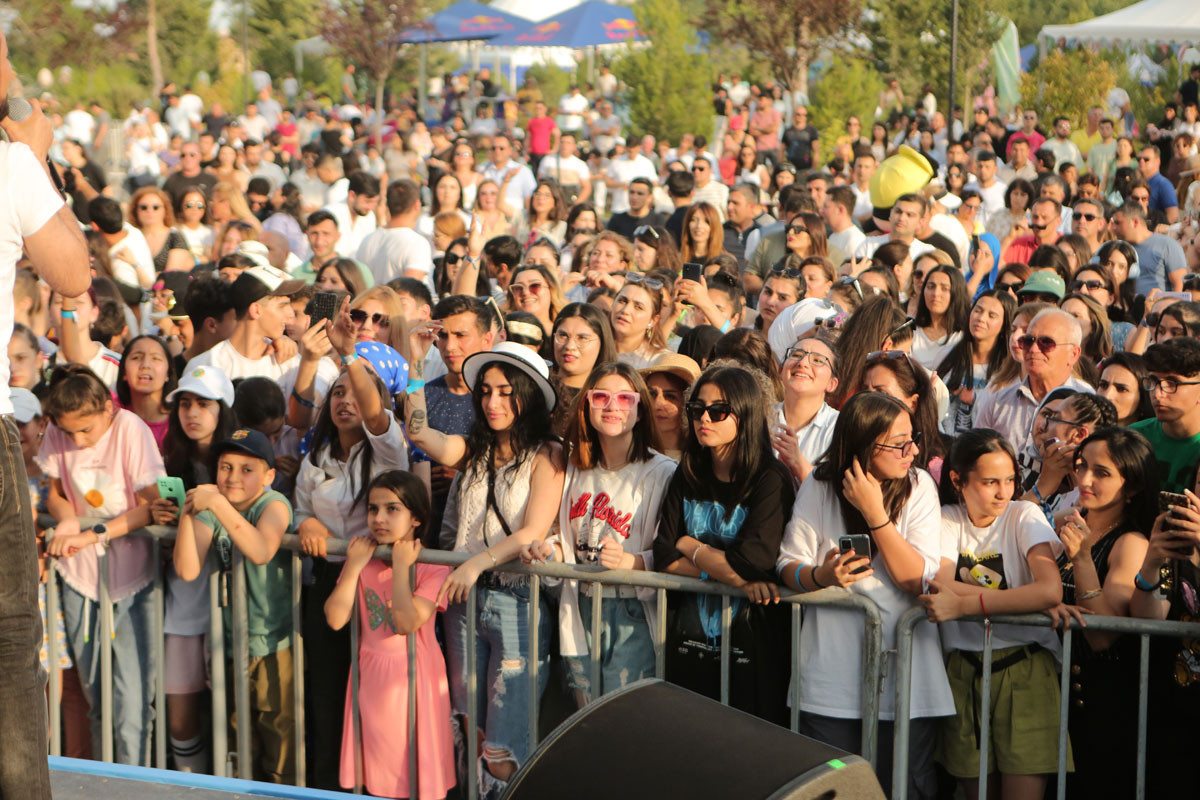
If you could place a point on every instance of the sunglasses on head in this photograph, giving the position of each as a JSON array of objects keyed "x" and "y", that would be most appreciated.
[
  {"x": 606, "y": 400},
  {"x": 779, "y": 270},
  {"x": 359, "y": 317},
  {"x": 849, "y": 280},
  {"x": 638, "y": 279},
  {"x": 645, "y": 229},
  {"x": 716, "y": 411},
  {"x": 892, "y": 355}
]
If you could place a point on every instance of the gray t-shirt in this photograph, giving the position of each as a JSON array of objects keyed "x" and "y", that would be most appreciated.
[{"x": 1158, "y": 256}]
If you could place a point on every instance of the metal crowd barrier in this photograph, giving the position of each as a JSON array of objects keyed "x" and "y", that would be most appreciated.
[
  {"x": 1143, "y": 628},
  {"x": 872, "y": 665}
]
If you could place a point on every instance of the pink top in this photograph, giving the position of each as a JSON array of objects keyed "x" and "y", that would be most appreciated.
[
  {"x": 159, "y": 429},
  {"x": 101, "y": 482}
]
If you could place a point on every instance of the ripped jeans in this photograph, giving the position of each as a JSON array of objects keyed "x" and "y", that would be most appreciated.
[{"x": 501, "y": 650}]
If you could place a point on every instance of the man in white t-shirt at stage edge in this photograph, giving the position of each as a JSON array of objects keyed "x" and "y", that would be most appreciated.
[{"x": 44, "y": 226}]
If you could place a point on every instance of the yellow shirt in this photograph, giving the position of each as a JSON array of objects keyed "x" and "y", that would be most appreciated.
[{"x": 1083, "y": 141}]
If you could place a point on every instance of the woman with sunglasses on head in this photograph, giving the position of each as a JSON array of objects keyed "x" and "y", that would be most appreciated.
[
  {"x": 803, "y": 422},
  {"x": 191, "y": 221},
  {"x": 899, "y": 375},
  {"x": 654, "y": 248},
  {"x": 608, "y": 516},
  {"x": 636, "y": 313},
  {"x": 875, "y": 325},
  {"x": 504, "y": 499},
  {"x": 997, "y": 557},
  {"x": 722, "y": 519},
  {"x": 582, "y": 338},
  {"x": 979, "y": 356},
  {"x": 867, "y": 485},
  {"x": 806, "y": 236},
  {"x": 151, "y": 212},
  {"x": 942, "y": 315},
  {"x": 1106, "y": 541},
  {"x": 535, "y": 289}
]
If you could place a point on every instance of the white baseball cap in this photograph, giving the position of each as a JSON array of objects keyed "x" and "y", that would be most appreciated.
[
  {"x": 255, "y": 251},
  {"x": 208, "y": 382},
  {"x": 795, "y": 320},
  {"x": 25, "y": 404}
]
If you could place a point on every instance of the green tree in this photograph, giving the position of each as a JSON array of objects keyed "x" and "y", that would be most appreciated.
[
  {"x": 1067, "y": 84},
  {"x": 668, "y": 81},
  {"x": 787, "y": 33},
  {"x": 275, "y": 26},
  {"x": 850, "y": 86}
]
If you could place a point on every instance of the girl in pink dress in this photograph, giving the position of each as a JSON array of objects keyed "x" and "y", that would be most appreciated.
[{"x": 391, "y": 605}]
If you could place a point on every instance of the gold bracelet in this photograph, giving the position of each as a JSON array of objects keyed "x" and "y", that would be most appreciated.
[
  {"x": 492, "y": 556},
  {"x": 1089, "y": 595}
]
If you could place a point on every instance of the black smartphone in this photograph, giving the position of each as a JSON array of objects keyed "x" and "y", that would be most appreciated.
[
  {"x": 693, "y": 271},
  {"x": 859, "y": 544},
  {"x": 1168, "y": 499},
  {"x": 325, "y": 305}
]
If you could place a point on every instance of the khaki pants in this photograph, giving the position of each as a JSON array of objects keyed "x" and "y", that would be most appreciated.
[{"x": 273, "y": 719}]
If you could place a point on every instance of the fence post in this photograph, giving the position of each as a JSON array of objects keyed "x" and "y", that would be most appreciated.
[
  {"x": 355, "y": 714},
  {"x": 535, "y": 618},
  {"x": 410, "y": 647},
  {"x": 905, "y": 630},
  {"x": 472, "y": 725},
  {"x": 1064, "y": 710},
  {"x": 985, "y": 708},
  {"x": 104, "y": 610},
  {"x": 726, "y": 645},
  {"x": 52, "y": 656},
  {"x": 660, "y": 644},
  {"x": 1143, "y": 703},
  {"x": 160, "y": 669},
  {"x": 298, "y": 667},
  {"x": 241, "y": 666},
  {"x": 872, "y": 669},
  {"x": 216, "y": 644},
  {"x": 794, "y": 679},
  {"x": 594, "y": 650}
]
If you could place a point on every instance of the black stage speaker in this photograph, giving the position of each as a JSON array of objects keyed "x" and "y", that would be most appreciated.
[{"x": 656, "y": 740}]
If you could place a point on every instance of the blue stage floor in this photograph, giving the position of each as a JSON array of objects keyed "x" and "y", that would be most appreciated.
[{"x": 73, "y": 779}]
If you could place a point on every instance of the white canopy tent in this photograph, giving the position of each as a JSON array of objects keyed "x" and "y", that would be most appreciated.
[{"x": 1152, "y": 22}]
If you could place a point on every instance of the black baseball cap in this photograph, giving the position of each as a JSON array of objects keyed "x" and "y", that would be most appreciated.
[{"x": 248, "y": 440}]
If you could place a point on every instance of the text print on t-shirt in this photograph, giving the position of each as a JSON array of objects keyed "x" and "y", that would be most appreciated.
[
  {"x": 602, "y": 511},
  {"x": 986, "y": 570}
]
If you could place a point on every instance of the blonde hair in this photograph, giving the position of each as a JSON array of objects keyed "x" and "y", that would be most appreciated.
[
  {"x": 397, "y": 323},
  {"x": 237, "y": 203}
]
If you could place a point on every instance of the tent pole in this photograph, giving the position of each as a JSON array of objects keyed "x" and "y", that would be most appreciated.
[{"x": 954, "y": 59}]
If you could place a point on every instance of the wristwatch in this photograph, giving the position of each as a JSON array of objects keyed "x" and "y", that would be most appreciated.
[{"x": 101, "y": 531}]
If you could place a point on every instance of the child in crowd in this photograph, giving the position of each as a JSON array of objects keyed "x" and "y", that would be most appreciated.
[
  {"x": 242, "y": 511},
  {"x": 258, "y": 404},
  {"x": 998, "y": 557},
  {"x": 200, "y": 416},
  {"x": 146, "y": 377},
  {"x": 103, "y": 464},
  {"x": 395, "y": 603}
]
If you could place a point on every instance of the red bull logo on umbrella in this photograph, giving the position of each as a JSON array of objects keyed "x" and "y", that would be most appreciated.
[
  {"x": 541, "y": 33},
  {"x": 620, "y": 29},
  {"x": 482, "y": 23}
]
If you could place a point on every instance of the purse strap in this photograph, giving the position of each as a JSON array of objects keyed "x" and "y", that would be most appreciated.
[{"x": 491, "y": 497}]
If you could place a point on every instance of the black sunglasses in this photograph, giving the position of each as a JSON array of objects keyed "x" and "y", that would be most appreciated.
[
  {"x": 358, "y": 317},
  {"x": 1093, "y": 285},
  {"x": 450, "y": 259},
  {"x": 716, "y": 411},
  {"x": 797, "y": 229}
]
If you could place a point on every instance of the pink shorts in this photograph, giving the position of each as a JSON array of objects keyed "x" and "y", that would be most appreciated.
[{"x": 186, "y": 664}]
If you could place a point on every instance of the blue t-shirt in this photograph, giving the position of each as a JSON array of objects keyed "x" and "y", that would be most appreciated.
[
  {"x": 1162, "y": 193},
  {"x": 448, "y": 412},
  {"x": 1158, "y": 256}
]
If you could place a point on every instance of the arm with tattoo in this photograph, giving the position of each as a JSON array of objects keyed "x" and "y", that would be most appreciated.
[{"x": 441, "y": 447}]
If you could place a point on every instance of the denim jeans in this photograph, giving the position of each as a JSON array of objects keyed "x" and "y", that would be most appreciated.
[
  {"x": 501, "y": 666},
  {"x": 133, "y": 668},
  {"x": 24, "y": 729},
  {"x": 625, "y": 647}
]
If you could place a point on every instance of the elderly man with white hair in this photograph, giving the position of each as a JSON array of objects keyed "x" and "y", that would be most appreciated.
[{"x": 1049, "y": 350}]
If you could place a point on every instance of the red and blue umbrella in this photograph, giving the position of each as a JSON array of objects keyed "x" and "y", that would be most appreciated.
[{"x": 586, "y": 25}]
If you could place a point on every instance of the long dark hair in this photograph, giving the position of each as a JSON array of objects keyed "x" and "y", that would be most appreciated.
[
  {"x": 181, "y": 456},
  {"x": 1137, "y": 367},
  {"x": 967, "y": 449},
  {"x": 960, "y": 301},
  {"x": 597, "y": 320},
  {"x": 583, "y": 443},
  {"x": 325, "y": 435},
  {"x": 531, "y": 421},
  {"x": 751, "y": 447},
  {"x": 958, "y": 367},
  {"x": 912, "y": 379},
  {"x": 124, "y": 394},
  {"x": 864, "y": 332},
  {"x": 1138, "y": 465},
  {"x": 863, "y": 420},
  {"x": 410, "y": 491}
]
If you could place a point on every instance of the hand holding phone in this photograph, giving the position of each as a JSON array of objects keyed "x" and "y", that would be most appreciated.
[
  {"x": 860, "y": 545},
  {"x": 170, "y": 488},
  {"x": 325, "y": 305},
  {"x": 692, "y": 271}
]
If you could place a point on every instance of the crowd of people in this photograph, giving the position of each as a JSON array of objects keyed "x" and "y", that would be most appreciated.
[{"x": 949, "y": 365}]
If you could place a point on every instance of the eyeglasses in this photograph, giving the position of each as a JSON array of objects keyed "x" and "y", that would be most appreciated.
[
  {"x": 532, "y": 289},
  {"x": 1043, "y": 343},
  {"x": 143, "y": 207},
  {"x": 1167, "y": 385},
  {"x": 643, "y": 229},
  {"x": 359, "y": 317},
  {"x": 716, "y": 411},
  {"x": 606, "y": 400},
  {"x": 904, "y": 449},
  {"x": 1047, "y": 416},
  {"x": 799, "y": 354},
  {"x": 580, "y": 341},
  {"x": 637, "y": 279},
  {"x": 194, "y": 204},
  {"x": 797, "y": 229}
]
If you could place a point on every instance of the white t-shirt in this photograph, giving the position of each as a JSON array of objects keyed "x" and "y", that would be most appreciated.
[
  {"x": 831, "y": 638},
  {"x": 813, "y": 439},
  {"x": 624, "y": 170},
  {"x": 992, "y": 198},
  {"x": 22, "y": 213},
  {"x": 929, "y": 353},
  {"x": 996, "y": 557},
  {"x": 847, "y": 241},
  {"x": 257, "y": 127},
  {"x": 573, "y": 171},
  {"x": 237, "y": 366},
  {"x": 389, "y": 252},
  {"x": 572, "y": 107},
  {"x": 140, "y": 273},
  {"x": 107, "y": 366},
  {"x": 354, "y": 230},
  {"x": 81, "y": 124}
]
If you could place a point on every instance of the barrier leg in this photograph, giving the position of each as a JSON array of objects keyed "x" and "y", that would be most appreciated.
[
  {"x": 872, "y": 668},
  {"x": 241, "y": 667},
  {"x": 794, "y": 682},
  {"x": 298, "y": 666},
  {"x": 985, "y": 710},
  {"x": 660, "y": 644},
  {"x": 1143, "y": 702},
  {"x": 104, "y": 609},
  {"x": 900, "y": 733},
  {"x": 220, "y": 702},
  {"x": 470, "y": 734},
  {"x": 1064, "y": 710},
  {"x": 594, "y": 650},
  {"x": 160, "y": 677},
  {"x": 52, "y": 656},
  {"x": 726, "y": 645},
  {"x": 535, "y": 619}
]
